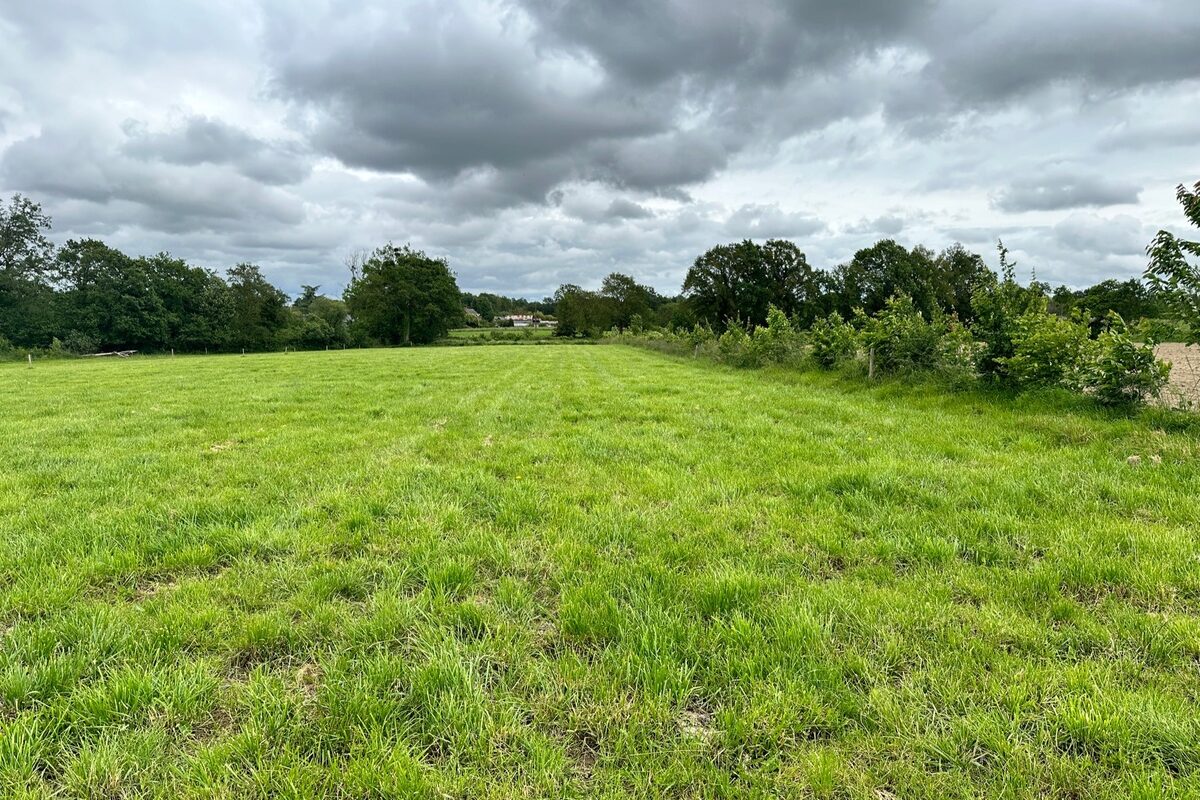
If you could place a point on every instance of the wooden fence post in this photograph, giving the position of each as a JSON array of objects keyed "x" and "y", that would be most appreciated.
[{"x": 871, "y": 364}]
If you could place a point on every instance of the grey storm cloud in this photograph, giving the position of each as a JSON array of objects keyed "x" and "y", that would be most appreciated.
[
  {"x": 208, "y": 141},
  {"x": 539, "y": 141},
  {"x": 66, "y": 165},
  {"x": 620, "y": 208},
  {"x": 1057, "y": 191}
]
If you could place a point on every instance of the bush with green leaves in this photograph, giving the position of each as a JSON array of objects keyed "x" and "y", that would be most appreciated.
[
  {"x": 776, "y": 342},
  {"x": 834, "y": 341},
  {"x": 1174, "y": 271},
  {"x": 734, "y": 346},
  {"x": 699, "y": 335},
  {"x": 1048, "y": 350},
  {"x": 958, "y": 354},
  {"x": 903, "y": 341},
  {"x": 998, "y": 308},
  {"x": 1124, "y": 372}
]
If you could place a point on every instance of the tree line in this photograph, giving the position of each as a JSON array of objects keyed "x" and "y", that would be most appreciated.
[
  {"x": 86, "y": 296},
  {"x": 741, "y": 281},
  {"x": 892, "y": 310}
]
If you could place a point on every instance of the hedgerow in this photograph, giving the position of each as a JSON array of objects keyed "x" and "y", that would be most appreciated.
[{"x": 1031, "y": 348}]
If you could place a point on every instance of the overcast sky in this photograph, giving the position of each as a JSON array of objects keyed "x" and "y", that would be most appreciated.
[{"x": 536, "y": 142}]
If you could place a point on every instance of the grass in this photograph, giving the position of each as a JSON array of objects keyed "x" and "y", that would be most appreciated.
[
  {"x": 501, "y": 334},
  {"x": 567, "y": 572}
]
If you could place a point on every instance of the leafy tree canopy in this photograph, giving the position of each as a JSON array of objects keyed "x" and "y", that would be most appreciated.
[{"x": 403, "y": 296}]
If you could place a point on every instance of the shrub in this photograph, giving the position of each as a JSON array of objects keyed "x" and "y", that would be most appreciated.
[
  {"x": 775, "y": 342},
  {"x": 1125, "y": 373},
  {"x": 958, "y": 355},
  {"x": 733, "y": 347},
  {"x": 1048, "y": 350},
  {"x": 902, "y": 339},
  {"x": 833, "y": 340},
  {"x": 997, "y": 309}
]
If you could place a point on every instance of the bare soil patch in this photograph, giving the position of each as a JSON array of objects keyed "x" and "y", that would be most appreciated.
[{"x": 1185, "y": 372}]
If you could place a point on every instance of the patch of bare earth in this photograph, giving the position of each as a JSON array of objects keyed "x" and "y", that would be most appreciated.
[
  {"x": 697, "y": 724},
  {"x": 1184, "y": 387}
]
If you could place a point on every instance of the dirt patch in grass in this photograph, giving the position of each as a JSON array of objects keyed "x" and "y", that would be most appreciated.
[
  {"x": 1185, "y": 372},
  {"x": 697, "y": 724}
]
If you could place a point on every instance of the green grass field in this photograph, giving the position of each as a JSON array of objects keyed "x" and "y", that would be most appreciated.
[
  {"x": 501, "y": 333},
  {"x": 584, "y": 571}
]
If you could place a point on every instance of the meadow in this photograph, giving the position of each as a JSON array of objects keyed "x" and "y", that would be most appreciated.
[
  {"x": 500, "y": 334},
  {"x": 586, "y": 572}
]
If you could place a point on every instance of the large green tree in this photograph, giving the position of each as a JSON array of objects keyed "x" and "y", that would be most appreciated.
[
  {"x": 960, "y": 274},
  {"x": 258, "y": 309},
  {"x": 741, "y": 281},
  {"x": 110, "y": 300},
  {"x": 197, "y": 302},
  {"x": 28, "y": 309},
  {"x": 629, "y": 299},
  {"x": 886, "y": 270},
  {"x": 402, "y": 296},
  {"x": 580, "y": 312}
]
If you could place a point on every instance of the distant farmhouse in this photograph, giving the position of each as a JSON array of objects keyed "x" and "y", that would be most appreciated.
[{"x": 525, "y": 321}]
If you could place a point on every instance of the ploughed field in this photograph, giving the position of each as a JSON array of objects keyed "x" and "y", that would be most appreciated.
[{"x": 585, "y": 571}]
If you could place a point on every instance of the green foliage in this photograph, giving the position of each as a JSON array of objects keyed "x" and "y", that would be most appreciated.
[
  {"x": 1131, "y": 299},
  {"x": 79, "y": 343},
  {"x": 585, "y": 313},
  {"x": 958, "y": 354},
  {"x": 959, "y": 275},
  {"x": 1172, "y": 273},
  {"x": 582, "y": 313},
  {"x": 317, "y": 321},
  {"x": 700, "y": 335},
  {"x": 675, "y": 315},
  {"x": 627, "y": 299},
  {"x": 834, "y": 341},
  {"x": 1124, "y": 372},
  {"x": 998, "y": 309},
  {"x": 402, "y": 296},
  {"x": 25, "y": 252},
  {"x": 775, "y": 342},
  {"x": 258, "y": 309},
  {"x": 489, "y": 305},
  {"x": 28, "y": 312},
  {"x": 740, "y": 282},
  {"x": 885, "y": 270},
  {"x": 1161, "y": 329},
  {"x": 733, "y": 346},
  {"x": 1048, "y": 350},
  {"x": 904, "y": 342}
]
